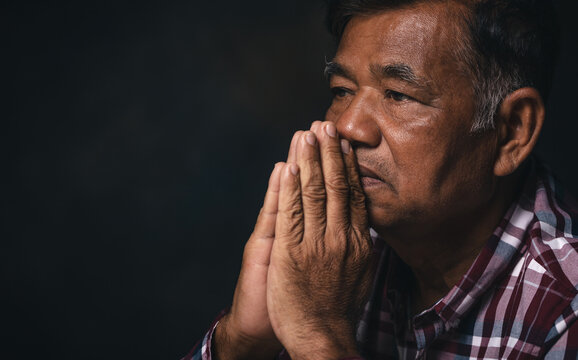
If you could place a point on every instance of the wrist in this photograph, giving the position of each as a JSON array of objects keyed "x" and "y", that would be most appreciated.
[
  {"x": 328, "y": 346},
  {"x": 230, "y": 344}
]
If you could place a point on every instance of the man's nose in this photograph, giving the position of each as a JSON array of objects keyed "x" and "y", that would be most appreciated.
[{"x": 359, "y": 122}]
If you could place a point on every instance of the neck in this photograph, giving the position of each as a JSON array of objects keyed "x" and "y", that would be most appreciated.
[{"x": 440, "y": 257}]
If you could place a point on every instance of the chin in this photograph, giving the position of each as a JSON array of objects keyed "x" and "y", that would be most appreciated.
[
  {"x": 381, "y": 217},
  {"x": 385, "y": 216}
]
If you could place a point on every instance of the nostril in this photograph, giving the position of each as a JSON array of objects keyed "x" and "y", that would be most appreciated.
[{"x": 359, "y": 129}]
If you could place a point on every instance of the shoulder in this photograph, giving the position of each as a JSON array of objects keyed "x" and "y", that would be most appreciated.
[
  {"x": 552, "y": 237},
  {"x": 546, "y": 275},
  {"x": 532, "y": 306}
]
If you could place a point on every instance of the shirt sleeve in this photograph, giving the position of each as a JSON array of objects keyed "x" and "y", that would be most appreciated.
[{"x": 202, "y": 350}]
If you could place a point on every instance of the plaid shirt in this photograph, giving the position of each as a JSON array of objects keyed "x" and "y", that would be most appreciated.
[{"x": 518, "y": 300}]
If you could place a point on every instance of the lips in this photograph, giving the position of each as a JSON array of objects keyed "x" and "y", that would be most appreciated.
[
  {"x": 368, "y": 177},
  {"x": 368, "y": 173},
  {"x": 371, "y": 181}
]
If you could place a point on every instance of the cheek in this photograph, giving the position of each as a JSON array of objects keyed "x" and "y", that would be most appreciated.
[
  {"x": 331, "y": 114},
  {"x": 452, "y": 173},
  {"x": 337, "y": 108},
  {"x": 408, "y": 115},
  {"x": 423, "y": 158},
  {"x": 410, "y": 127},
  {"x": 413, "y": 138}
]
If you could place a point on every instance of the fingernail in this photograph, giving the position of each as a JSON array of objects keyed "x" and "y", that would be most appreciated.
[
  {"x": 294, "y": 169},
  {"x": 330, "y": 130},
  {"x": 345, "y": 146},
  {"x": 310, "y": 139}
]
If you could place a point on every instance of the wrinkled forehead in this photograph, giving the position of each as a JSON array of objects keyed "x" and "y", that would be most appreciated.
[{"x": 428, "y": 36}]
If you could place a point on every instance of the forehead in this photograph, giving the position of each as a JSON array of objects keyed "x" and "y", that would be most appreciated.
[{"x": 424, "y": 36}]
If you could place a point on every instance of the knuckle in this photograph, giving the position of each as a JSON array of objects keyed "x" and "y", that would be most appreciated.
[
  {"x": 290, "y": 209},
  {"x": 313, "y": 188},
  {"x": 312, "y": 163},
  {"x": 314, "y": 169},
  {"x": 357, "y": 261},
  {"x": 334, "y": 151},
  {"x": 291, "y": 219},
  {"x": 295, "y": 257},
  {"x": 314, "y": 197},
  {"x": 362, "y": 240},
  {"x": 294, "y": 227},
  {"x": 337, "y": 231},
  {"x": 352, "y": 171},
  {"x": 337, "y": 184},
  {"x": 357, "y": 197}
]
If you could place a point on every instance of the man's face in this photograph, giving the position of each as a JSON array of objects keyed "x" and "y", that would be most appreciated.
[{"x": 406, "y": 103}]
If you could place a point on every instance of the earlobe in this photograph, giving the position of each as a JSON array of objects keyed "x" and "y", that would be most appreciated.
[{"x": 519, "y": 122}]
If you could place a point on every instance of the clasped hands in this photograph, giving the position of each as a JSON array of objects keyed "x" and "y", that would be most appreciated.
[{"x": 306, "y": 268}]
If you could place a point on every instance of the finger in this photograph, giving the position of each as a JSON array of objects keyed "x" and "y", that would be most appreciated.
[
  {"x": 357, "y": 207},
  {"x": 312, "y": 185},
  {"x": 292, "y": 148},
  {"x": 289, "y": 225},
  {"x": 265, "y": 226},
  {"x": 334, "y": 175},
  {"x": 258, "y": 248},
  {"x": 315, "y": 126}
]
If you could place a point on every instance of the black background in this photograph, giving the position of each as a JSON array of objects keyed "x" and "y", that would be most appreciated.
[{"x": 137, "y": 139}]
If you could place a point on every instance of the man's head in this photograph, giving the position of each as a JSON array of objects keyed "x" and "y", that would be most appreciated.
[
  {"x": 506, "y": 44},
  {"x": 407, "y": 94}
]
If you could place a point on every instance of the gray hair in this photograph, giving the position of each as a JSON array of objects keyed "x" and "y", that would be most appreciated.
[{"x": 508, "y": 44}]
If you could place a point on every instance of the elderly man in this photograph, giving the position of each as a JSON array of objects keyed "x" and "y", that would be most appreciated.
[{"x": 472, "y": 251}]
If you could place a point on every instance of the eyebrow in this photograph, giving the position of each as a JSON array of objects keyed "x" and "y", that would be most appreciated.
[
  {"x": 399, "y": 71},
  {"x": 333, "y": 68}
]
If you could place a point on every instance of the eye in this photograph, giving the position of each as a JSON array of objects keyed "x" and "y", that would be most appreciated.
[
  {"x": 397, "y": 96},
  {"x": 339, "y": 92}
]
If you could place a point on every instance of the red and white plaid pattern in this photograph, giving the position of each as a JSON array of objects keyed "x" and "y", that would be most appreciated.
[{"x": 518, "y": 300}]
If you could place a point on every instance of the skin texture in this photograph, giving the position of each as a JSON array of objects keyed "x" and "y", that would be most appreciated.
[
  {"x": 395, "y": 152},
  {"x": 246, "y": 332},
  {"x": 433, "y": 180},
  {"x": 319, "y": 274}
]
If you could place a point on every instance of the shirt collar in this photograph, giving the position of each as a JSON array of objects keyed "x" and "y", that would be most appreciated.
[{"x": 497, "y": 259}]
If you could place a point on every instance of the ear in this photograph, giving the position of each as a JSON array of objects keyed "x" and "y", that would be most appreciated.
[{"x": 518, "y": 122}]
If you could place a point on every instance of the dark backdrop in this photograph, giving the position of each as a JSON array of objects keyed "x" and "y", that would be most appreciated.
[{"x": 138, "y": 138}]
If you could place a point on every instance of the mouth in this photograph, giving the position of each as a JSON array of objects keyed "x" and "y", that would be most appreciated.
[{"x": 368, "y": 177}]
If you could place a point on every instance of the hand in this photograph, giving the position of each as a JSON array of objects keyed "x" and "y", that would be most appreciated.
[
  {"x": 246, "y": 332},
  {"x": 319, "y": 274}
]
